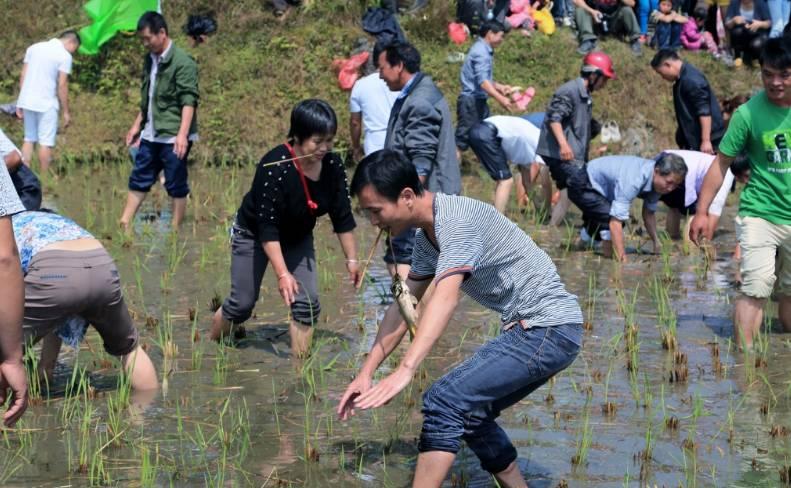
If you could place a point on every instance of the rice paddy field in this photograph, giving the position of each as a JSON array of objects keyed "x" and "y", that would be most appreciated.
[{"x": 659, "y": 395}]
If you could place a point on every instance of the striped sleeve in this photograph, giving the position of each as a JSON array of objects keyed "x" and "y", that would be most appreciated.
[
  {"x": 424, "y": 259},
  {"x": 460, "y": 248}
]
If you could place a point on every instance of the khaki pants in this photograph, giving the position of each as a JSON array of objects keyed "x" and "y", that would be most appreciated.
[
  {"x": 622, "y": 22},
  {"x": 766, "y": 257}
]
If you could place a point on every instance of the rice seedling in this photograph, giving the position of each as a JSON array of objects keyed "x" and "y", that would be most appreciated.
[
  {"x": 666, "y": 316},
  {"x": 590, "y": 304},
  {"x": 34, "y": 375},
  {"x": 584, "y": 438},
  {"x": 197, "y": 344}
]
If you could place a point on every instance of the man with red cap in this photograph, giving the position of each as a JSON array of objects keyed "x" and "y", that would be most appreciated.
[{"x": 569, "y": 126}]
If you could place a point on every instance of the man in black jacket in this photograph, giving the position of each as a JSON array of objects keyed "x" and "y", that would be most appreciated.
[{"x": 698, "y": 115}]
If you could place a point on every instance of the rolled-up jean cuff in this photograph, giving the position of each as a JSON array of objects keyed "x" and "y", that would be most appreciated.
[{"x": 439, "y": 442}]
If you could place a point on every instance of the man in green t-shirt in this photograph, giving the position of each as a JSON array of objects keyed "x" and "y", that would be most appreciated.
[{"x": 762, "y": 129}]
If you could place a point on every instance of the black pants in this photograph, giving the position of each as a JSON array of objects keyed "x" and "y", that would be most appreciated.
[
  {"x": 747, "y": 44},
  {"x": 561, "y": 171},
  {"x": 594, "y": 206},
  {"x": 470, "y": 111}
]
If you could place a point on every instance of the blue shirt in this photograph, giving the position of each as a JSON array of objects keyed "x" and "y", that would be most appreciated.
[
  {"x": 478, "y": 67},
  {"x": 621, "y": 179},
  {"x": 34, "y": 231}
]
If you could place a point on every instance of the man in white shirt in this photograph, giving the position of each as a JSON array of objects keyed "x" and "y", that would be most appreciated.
[
  {"x": 43, "y": 92},
  {"x": 370, "y": 105},
  {"x": 683, "y": 200},
  {"x": 503, "y": 138}
]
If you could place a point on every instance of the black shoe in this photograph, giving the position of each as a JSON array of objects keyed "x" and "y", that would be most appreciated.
[
  {"x": 586, "y": 47},
  {"x": 637, "y": 48}
]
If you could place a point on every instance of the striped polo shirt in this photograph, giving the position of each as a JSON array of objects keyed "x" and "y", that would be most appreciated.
[{"x": 505, "y": 270}]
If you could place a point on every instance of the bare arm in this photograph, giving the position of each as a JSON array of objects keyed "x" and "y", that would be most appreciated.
[
  {"x": 649, "y": 219},
  {"x": 705, "y": 134},
  {"x": 286, "y": 283},
  {"x": 566, "y": 154},
  {"x": 135, "y": 129},
  {"x": 63, "y": 97},
  {"x": 356, "y": 130},
  {"x": 12, "y": 304},
  {"x": 584, "y": 6},
  {"x": 628, "y": 3},
  {"x": 493, "y": 92},
  {"x": 711, "y": 183},
  {"x": 616, "y": 234},
  {"x": 349, "y": 247},
  {"x": 391, "y": 332},
  {"x": 432, "y": 324},
  {"x": 180, "y": 146}
]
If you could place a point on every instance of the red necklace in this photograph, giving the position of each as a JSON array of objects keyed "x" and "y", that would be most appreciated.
[{"x": 312, "y": 206}]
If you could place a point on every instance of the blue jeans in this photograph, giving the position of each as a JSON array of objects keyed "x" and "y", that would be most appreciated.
[
  {"x": 779, "y": 10},
  {"x": 153, "y": 157},
  {"x": 667, "y": 35},
  {"x": 465, "y": 402},
  {"x": 644, "y": 9},
  {"x": 562, "y": 8}
]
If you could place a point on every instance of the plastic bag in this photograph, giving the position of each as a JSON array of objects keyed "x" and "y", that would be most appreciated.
[
  {"x": 457, "y": 32},
  {"x": 348, "y": 69}
]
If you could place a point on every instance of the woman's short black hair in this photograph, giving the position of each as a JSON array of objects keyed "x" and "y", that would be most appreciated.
[
  {"x": 312, "y": 117},
  {"x": 153, "y": 21},
  {"x": 200, "y": 25},
  {"x": 389, "y": 172}
]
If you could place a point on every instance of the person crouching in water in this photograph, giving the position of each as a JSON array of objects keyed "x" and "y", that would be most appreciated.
[
  {"x": 464, "y": 245},
  {"x": 71, "y": 279},
  {"x": 295, "y": 183}
]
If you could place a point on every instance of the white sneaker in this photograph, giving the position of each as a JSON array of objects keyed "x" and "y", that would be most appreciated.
[
  {"x": 605, "y": 133},
  {"x": 610, "y": 132}
]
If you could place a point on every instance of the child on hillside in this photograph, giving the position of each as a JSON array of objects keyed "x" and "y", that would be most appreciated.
[
  {"x": 668, "y": 26},
  {"x": 694, "y": 37}
]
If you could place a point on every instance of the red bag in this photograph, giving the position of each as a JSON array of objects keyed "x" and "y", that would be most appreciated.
[
  {"x": 348, "y": 69},
  {"x": 457, "y": 32}
]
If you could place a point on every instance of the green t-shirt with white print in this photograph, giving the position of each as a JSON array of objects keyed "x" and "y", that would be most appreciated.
[{"x": 763, "y": 130}]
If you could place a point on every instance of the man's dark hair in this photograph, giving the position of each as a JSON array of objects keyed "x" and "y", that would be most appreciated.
[
  {"x": 389, "y": 172},
  {"x": 153, "y": 21},
  {"x": 664, "y": 55},
  {"x": 379, "y": 48},
  {"x": 491, "y": 26},
  {"x": 200, "y": 25},
  {"x": 740, "y": 165},
  {"x": 70, "y": 35},
  {"x": 312, "y": 117},
  {"x": 403, "y": 53},
  {"x": 668, "y": 163},
  {"x": 776, "y": 53}
]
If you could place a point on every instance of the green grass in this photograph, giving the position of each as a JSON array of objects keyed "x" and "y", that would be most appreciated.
[{"x": 255, "y": 68}]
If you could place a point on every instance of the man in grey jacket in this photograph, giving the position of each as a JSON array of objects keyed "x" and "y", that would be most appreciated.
[
  {"x": 567, "y": 129},
  {"x": 420, "y": 127}
]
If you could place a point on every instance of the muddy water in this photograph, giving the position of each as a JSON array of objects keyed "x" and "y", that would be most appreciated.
[{"x": 249, "y": 416}]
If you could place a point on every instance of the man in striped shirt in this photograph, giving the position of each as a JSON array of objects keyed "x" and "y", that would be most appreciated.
[{"x": 464, "y": 245}]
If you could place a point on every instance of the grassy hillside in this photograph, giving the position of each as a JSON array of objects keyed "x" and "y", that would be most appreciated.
[{"x": 256, "y": 68}]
